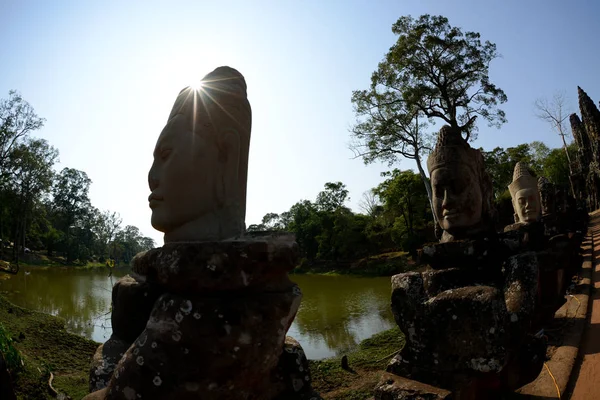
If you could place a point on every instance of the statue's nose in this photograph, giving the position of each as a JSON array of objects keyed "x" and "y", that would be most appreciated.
[
  {"x": 152, "y": 178},
  {"x": 447, "y": 202}
]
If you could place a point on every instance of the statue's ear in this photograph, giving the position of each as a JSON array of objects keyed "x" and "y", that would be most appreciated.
[{"x": 229, "y": 158}]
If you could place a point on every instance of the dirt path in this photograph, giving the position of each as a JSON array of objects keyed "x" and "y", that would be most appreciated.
[{"x": 587, "y": 376}]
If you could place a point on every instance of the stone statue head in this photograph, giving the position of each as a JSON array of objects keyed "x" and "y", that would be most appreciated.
[
  {"x": 525, "y": 195},
  {"x": 198, "y": 177},
  {"x": 547, "y": 196},
  {"x": 462, "y": 189}
]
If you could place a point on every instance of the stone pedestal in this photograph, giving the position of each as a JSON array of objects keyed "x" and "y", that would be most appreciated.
[
  {"x": 467, "y": 322},
  {"x": 205, "y": 321}
]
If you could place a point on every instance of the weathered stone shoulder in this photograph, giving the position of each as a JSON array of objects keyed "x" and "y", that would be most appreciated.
[{"x": 218, "y": 266}]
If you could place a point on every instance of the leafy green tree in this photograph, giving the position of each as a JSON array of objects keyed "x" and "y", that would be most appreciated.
[
  {"x": 442, "y": 72},
  {"x": 30, "y": 164},
  {"x": 106, "y": 227},
  {"x": 71, "y": 194},
  {"x": 131, "y": 242},
  {"x": 333, "y": 197},
  {"x": 555, "y": 166},
  {"x": 405, "y": 206},
  {"x": 71, "y": 206},
  {"x": 17, "y": 120},
  {"x": 304, "y": 221},
  {"x": 433, "y": 71},
  {"x": 500, "y": 163},
  {"x": 386, "y": 129}
]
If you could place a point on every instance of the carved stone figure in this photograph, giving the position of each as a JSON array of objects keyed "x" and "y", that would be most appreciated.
[
  {"x": 462, "y": 190},
  {"x": 547, "y": 196},
  {"x": 206, "y": 315},
  {"x": 525, "y": 195},
  {"x": 466, "y": 318},
  {"x": 198, "y": 178}
]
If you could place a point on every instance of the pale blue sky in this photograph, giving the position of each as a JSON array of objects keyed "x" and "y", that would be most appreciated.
[{"x": 105, "y": 74}]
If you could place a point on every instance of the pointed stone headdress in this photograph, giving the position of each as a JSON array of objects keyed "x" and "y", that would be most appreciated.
[
  {"x": 522, "y": 178},
  {"x": 452, "y": 148},
  {"x": 222, "y": 90}
]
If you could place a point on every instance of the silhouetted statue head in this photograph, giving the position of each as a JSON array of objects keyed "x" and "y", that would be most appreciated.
[{"x": 199, "y": 174}]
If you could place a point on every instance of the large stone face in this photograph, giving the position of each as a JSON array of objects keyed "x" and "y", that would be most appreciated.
[
  {"x": 461, "y": 188},
  {"x": 198, "y": 177},
  {"x": 525, "y": 195}
]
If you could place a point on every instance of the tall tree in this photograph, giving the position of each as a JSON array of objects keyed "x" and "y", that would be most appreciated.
[
  {"x": 442, "y": 72},
  {"x": 554, "y": 111},
  {"x": 30, "y": 164},
  {"x": 71, "y": 206},
  {"x": 70, "y": 193},
  {"x": 17, "y": 119},
  {"x": 386, "y": 130},
  {"x": 433, "y": 71},
  {"x": 333, "y": 197},
  {"x": 106, "y": 228},
  {"x": 405, "y": 205}
]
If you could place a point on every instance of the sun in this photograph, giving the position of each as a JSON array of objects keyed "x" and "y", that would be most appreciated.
[{"x": 196, "y": 85}]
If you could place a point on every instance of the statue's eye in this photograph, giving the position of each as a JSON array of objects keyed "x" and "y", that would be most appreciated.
[
  {"x": 164, "y": 153},
  {"x": 439, "y": 191}
]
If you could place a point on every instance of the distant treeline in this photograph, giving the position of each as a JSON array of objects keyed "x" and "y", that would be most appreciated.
[
  {"x": 396, "y": 215},
  {"x": 47, "y": 211}
]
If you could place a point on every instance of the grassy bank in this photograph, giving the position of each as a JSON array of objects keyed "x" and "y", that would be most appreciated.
[
  {"x": 366, "y": 362},
  {"x": 40, "y": 260},
  {"x": 45, "y": 346},
  {"x": 386, "y": 264}
]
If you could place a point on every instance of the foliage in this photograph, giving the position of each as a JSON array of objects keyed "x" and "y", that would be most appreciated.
[
  {"x": 9, "y": 352},
  {"x": 440, "y": 71},
  {"x": 45, "y": 346},
  {"x": 326, "y": 230},
  {"x": 333, "y": 197},
  {"x": 500, "y": 162},
  {"x": 397, "y": 216},
  {"x": 433, "y": 71},
  {"x": 405, "y": 207},
  {"x": 43, "y": 210},
  {"x": 550, "y": 163},
  {"x": 17, "y": 120},
  {"x": 556, "y": 166}
]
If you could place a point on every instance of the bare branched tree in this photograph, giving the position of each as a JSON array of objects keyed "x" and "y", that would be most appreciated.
[
  {"x": 555, "y": 112},
  {"x": 369, "y": 203}
]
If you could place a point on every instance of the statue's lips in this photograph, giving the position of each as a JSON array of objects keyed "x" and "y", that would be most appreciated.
[
  {"x": 154, "y": 200},
  {"x": 451, "y": 214}
]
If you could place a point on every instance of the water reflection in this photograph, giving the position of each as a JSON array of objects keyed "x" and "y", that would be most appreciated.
[
  {"x": 336, "y": 312},
  {"x": 81, "y": 297}
]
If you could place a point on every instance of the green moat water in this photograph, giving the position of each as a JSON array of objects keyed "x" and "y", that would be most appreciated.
[{"x": 337, "y": 312}]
